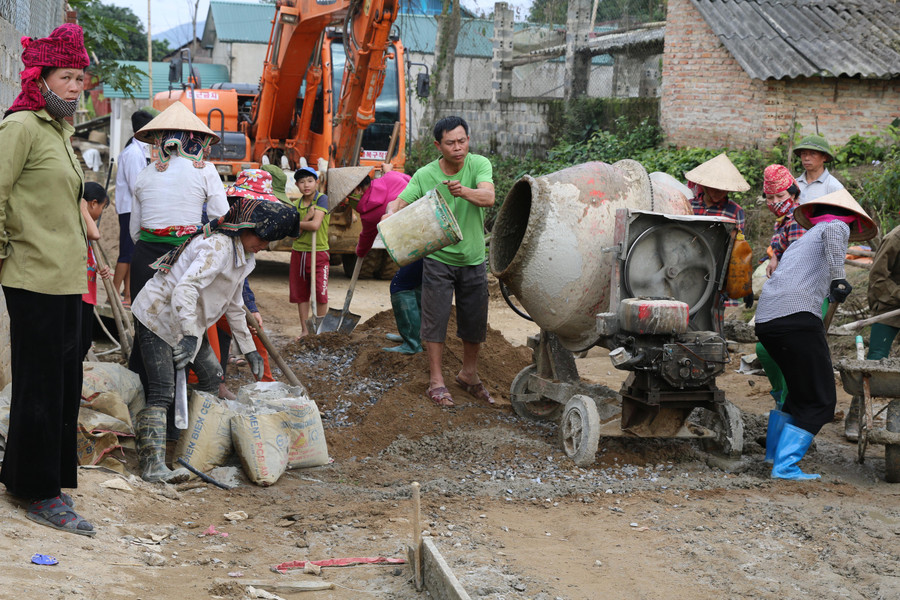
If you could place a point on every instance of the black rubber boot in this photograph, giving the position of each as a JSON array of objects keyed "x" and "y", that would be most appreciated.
[{"x": 151, "y": 442}]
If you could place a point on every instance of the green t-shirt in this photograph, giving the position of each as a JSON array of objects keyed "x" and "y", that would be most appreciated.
[
  {"x": 304, "y": 242},
  {"x": 476, "y": 169}
]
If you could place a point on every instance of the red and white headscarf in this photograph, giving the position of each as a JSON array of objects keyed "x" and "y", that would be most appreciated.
[
  {"x": 64, "y": 48},
  {"x": 776, "y": 178}
]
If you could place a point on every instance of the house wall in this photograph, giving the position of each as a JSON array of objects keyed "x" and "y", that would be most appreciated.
[
  {"x": 708, "y": 100},
  {"x": 10, "y": 65},
  {"x": 508, "y": 128},
  {"x": 247, "y": 62}
]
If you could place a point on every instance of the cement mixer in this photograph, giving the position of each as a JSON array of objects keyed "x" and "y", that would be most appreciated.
[{"x": 611, "y": 256}]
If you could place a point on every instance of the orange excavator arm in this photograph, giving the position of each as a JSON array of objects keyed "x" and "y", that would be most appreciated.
[
  {"x": 366, "y": 38},
  {"x": 294, "y": 47}
]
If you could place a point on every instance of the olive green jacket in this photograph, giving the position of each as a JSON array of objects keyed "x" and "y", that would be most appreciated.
[
  {"x": 884, "y": 278},
  {"x": 43, "y": 238}
]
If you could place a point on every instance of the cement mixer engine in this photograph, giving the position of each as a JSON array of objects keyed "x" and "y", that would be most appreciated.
[{"x": 607, "y": 255}]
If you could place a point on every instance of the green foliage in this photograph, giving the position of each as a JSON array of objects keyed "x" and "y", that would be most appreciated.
[
  {"x": 578, "y": 119},
  {"x": 878, "y": 190},
  {"x": 113, "y": 33}
]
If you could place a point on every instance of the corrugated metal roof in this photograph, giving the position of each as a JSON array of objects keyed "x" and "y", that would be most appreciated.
[
  {"x": 774, "y": 39},
  {"x": 418, "y": 33},
  {"x": 242, "y": 21},
  {"x": 209, "y": 74}
]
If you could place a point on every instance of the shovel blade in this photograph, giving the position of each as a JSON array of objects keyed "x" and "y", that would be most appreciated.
[{"x": 337, "y": 320}]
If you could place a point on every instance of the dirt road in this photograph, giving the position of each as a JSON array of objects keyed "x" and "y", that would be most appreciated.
[{"x": 514, "y": 518}]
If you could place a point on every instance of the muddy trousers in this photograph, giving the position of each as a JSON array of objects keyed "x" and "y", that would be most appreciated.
[
  {"x": 797, "y": 343},
  {"x": 160, "y": 368},
  {"x": 45, "y": 341}
]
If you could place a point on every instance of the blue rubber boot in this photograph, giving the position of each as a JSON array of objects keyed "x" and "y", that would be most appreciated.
[
  {"x": 792, "y": 446},
  {"x": 777, "y": 421}
]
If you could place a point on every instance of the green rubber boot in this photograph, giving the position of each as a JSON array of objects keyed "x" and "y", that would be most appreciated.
[
  {"x": 151, "y": 442},
  {"x": 409, "y": 320}
]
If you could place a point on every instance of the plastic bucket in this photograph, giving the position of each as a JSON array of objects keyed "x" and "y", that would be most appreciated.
[{"x": 423, "y": 227}]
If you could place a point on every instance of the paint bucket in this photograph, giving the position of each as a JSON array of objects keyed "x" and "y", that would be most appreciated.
[{"x": 423, "y": 227}]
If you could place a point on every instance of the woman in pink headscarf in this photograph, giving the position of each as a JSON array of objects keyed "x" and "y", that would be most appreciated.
[{"x": 43, "y": 250}]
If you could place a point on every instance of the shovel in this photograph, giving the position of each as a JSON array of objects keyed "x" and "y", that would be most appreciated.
[
  {"x": 851, "y": 328},
  {"x": 343, "y": 320}
]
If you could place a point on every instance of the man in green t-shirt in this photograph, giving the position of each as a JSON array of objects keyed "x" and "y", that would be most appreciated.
[{"x": 465, "y": 181}]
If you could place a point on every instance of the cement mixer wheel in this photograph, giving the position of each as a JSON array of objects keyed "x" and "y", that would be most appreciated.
[
  {"x": 728, "y": 425},
  {"x": 533, "y": 410},
  {"x": 579, "y": 430}
]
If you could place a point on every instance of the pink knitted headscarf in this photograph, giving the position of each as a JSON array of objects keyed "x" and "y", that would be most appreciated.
[{"x": 64, "y": 48}]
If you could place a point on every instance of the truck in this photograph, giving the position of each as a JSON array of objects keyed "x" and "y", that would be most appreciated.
[{"x": 332, "y": 88}]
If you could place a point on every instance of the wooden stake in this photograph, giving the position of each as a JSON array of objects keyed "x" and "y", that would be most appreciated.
[
  {"x": 417, "y": 537},
  {"x": 126, "y": 333}
]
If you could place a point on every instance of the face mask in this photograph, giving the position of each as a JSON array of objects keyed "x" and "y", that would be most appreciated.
[
  {"x": 782, "y": 208},
  {"x": 56, "y": 106}
]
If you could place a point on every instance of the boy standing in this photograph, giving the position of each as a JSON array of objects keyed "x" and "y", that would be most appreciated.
[{"x": 312, "y": 206}]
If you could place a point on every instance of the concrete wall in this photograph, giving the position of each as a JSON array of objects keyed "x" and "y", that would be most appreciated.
[
  {"x": 10, "y": 65},
  {"x": 509, "y": 128},
  {"x": 708, "y": 100}
]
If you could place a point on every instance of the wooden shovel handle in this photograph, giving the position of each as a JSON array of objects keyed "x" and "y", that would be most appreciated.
[{"x": 273, "y": 352}]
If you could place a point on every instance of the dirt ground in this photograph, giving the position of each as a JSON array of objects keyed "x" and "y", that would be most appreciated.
[{"x": 514, "y": 518}]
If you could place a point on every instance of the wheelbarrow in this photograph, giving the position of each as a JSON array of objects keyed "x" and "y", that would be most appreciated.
[{"x": 876, "y": 378}]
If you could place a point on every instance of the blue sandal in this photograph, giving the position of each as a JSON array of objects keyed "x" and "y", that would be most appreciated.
[{"x": 56, "y": 513}]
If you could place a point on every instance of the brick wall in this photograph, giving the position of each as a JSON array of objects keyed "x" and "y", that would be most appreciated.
[{"x": 708, "y": 100}]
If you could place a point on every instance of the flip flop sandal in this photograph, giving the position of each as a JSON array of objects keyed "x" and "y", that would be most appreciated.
[
  {"x": 53, "y": 512},
  {"x": 440, "y": 396},
  {"x": 476, "y": 390}
]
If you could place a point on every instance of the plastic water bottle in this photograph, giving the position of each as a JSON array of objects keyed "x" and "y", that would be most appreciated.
[{"x": 860, "y": 348}]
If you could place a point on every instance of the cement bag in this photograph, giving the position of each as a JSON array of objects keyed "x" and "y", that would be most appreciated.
[
  {"x": 97, "y": 422},
  {"x": 308, "y": 447},
  {"x": 206, "y": 442},
  {"x": 284, "y": 431},
  {"x": 113, "y": 377},
  {"x": 111, "y": 404},
  {"x": 97, "y": 449}
]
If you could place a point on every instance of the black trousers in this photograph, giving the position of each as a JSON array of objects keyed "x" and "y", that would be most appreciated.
[
  {"x": 45, "y": 344},
  {"x": 145, "y": 254},
  {"x": 798, "y": 345}
]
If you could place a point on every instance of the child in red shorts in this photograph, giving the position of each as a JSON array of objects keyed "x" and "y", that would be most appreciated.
[{"x": 313, "y": 209}]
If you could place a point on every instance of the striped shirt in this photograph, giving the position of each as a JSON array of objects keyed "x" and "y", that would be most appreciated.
[{"x": 804, "y": 275}]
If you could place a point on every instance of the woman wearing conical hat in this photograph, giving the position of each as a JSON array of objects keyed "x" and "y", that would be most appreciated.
[
  {"x": 711, "y": 182},
  {"x": 789, "y": 322}
]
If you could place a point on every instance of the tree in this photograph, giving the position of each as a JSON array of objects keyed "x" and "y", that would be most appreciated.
[
  {"x": 635, "y": 11},
  {"x": 113, "y": 33}
]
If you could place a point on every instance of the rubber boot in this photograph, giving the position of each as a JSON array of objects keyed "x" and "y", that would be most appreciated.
[
  {"x": 851, "y": 421},
  {"x": 792, "y": 446},
  {"x": 409, "y": 321},
  {"x": 151, "y": 442},
  {"x": 393, "y": 337},
  {"x": 777, "y": 421}
]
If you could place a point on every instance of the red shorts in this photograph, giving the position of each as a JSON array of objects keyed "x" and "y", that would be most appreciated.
[{"x": 300, "y": 276}]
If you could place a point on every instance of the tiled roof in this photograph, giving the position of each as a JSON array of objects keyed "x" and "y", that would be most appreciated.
[{"x": 774, "y": 39}]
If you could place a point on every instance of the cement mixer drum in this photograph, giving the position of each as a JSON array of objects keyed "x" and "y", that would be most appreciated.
[{"x": 671, "y": 261}]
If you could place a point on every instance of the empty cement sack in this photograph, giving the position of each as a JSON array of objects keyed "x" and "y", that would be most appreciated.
[
  {"x": 112, "y": 377},
  {"x": 206, "y": 443},
  {"x": 284, "y": 430}
]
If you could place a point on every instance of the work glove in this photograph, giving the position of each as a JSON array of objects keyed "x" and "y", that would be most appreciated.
[
  {"x": 748, "y": 300},
  {"x": 256, "y": 363},
  {"x": 184, "y": 351},
  {"x": 840, "y": 289}
]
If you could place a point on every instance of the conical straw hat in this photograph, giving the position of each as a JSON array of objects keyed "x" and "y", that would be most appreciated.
[
  {"x": 342, "y": 181},
  {"x": 866, "y": 228},
  {"x": 178, "y": 117},
  {"x": 719, "y": 173}
]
